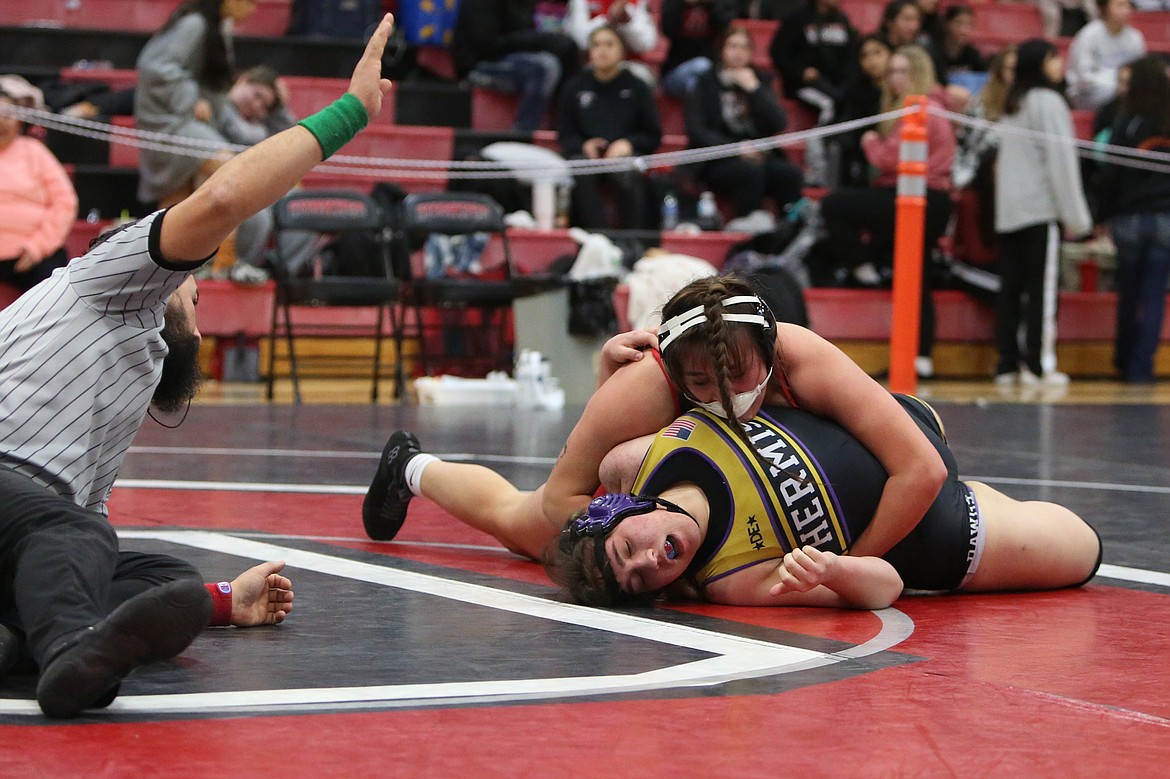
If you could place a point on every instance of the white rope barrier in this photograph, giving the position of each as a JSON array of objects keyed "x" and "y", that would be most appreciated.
[
  {"x": 380, "y": 167},
  {"x": 391, "y": 168},
  {"x": 1125, "y": 156}
]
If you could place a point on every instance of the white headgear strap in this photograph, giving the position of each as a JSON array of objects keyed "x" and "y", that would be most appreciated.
[{"x": 672, "y": 328}]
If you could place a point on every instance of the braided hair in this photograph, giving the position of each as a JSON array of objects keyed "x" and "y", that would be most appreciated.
[{"x": 728, "y": 345}]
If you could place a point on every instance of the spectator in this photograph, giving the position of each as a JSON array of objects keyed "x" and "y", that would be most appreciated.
[
  {"x": 1106, "y": 115},
  {"x": 774, "y": 10},
  {"x": 1064, "y": 18},
  {"x": 735, "y": 104},
  {"x": 257, "y": 108},
  {"x": 862, "y": 97},
  {"x": 37, "y": 206},
  {"x": 184, "y": 73},
  {"x": 497, "y": 46},
  {"x": 630, "y": 18},
  {"x": 813, "y": 51},
  {"x": 931, "y": 28},
  {"x": 850, "y": 211},
  {"x": 954, "y": 48},
  {"x": 978, "y": 146},
  {"x": 1136, "y": 203},
  {"x": 901, "y": 23},
  {"x": 1098, "y": 50},
  {"x": 607, "y": 112},
  {"x": 694, "y": 28},
  {"x": 1037, "y": 187}
]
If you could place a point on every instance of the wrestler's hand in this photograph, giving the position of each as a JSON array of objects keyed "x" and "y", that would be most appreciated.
[
  {"x": 261, "y": 596},
  {"x": 803, "y": 569},
  {"x": 622, "y": 348}
]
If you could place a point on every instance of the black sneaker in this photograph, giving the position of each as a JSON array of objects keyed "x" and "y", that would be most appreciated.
[
  {"x": 85, "y": 671},
  {"x": 384, "y": 509}
]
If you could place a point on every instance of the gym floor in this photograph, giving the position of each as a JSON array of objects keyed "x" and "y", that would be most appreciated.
[{"x": 441, "y": 654}]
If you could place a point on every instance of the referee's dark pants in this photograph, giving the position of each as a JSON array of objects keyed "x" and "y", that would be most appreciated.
[{"x": 60, "y": 568}]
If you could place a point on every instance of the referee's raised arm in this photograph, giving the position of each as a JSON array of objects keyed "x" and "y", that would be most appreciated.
[{"x": 258, "y": 177}]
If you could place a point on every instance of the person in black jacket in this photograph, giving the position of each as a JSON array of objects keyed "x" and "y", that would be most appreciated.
[
  {"x": 861, "y": 97},
  {"x": 693, "y": 28},
  {"x": 607, "y": 112},
  {"x": 1136, "y": 202},
  {"x": 813, "y": 51},
  {"x": 495, "y": 45},
  {"x": 734, "y": 103}
]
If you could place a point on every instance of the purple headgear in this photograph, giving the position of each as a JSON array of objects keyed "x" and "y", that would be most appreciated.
[{"x": 603, "y": 514}]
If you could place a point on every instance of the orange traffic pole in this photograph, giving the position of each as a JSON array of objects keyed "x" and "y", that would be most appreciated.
[{"x": 909, "y": 236}]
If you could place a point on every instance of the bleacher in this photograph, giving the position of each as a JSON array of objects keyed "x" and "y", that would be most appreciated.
[{"x": 429, "y": 119}]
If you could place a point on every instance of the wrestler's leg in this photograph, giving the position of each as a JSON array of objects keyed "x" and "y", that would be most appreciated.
[
  {"x": 1031, "y": 545},
  {"x": 484, "y": 500}
]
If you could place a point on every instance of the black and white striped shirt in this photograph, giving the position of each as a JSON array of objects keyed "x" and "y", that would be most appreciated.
[{"x": 80, "y": 356}]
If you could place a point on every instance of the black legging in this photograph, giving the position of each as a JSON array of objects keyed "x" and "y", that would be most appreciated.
[
  {"x": 748, "y": 182},
  {"x": 629, "y": 189},
  {"x": 34, "y": 275},
  {"x": 851, "y": 211}
]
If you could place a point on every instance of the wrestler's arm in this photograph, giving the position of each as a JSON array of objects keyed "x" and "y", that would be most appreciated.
[
  {"x": 827, "y": 383},
  {"x": 635, "y": 401},
  {"x": 811, "y": 577}
]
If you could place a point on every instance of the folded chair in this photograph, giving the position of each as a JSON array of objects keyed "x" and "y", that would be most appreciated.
[
  {"x": 462, "y": 316},
  {"x": 351, "y": 268}
]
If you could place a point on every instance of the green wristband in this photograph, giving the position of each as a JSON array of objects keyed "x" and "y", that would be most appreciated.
[{"x": 336, "y": 125}]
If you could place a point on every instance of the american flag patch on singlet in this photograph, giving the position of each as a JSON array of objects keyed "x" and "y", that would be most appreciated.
[{"x": 680, "y": 429}]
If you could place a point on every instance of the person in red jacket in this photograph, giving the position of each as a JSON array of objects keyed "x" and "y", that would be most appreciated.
[{"x": 850, "y": 212}]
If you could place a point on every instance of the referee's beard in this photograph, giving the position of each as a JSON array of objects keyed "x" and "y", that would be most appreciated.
[{"x": 181, "y": 376}]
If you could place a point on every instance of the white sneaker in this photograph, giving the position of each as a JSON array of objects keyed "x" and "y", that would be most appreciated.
[
  {"x": 250, "y": 275},
  {"x": 868, "y": 275},
  {"x": 1050, "y": 379},
  {"x": 1006, "y": 379},
  {"x": 756, "y": 222},
  {"x": 924, "y": 367}
]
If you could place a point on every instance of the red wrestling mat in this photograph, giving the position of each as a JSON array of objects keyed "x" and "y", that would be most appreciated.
[{"x": 1069, "y": 683}]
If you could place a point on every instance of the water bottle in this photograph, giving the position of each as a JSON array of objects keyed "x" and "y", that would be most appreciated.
[
  {"x": 94, "y": 216},
  {"x": 564, "y": 199},
  {"x": 669, "y": 212},
  {"x": 708, "y": 212}
]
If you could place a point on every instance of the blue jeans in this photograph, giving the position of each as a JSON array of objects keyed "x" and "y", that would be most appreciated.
[
  {"x": 534, "y": 74},
  {"x": 1143, "y": 265},
  {"x": 679, "y": 81}
]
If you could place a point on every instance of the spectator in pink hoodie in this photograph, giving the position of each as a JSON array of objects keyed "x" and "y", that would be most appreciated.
[
  {"x": 37, "y": 205},
  {"x": 850, "y": 212}
]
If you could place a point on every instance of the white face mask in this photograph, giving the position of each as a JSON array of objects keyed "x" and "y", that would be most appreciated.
[{"x": 740, "y": 402}]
